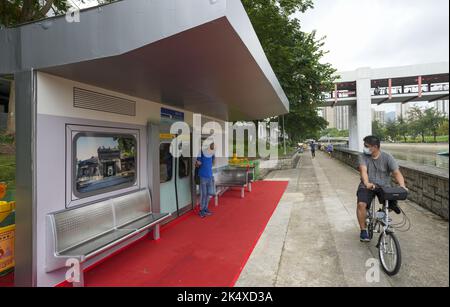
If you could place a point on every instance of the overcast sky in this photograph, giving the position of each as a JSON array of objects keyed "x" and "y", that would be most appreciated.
[{"x": 381, "y": 33}]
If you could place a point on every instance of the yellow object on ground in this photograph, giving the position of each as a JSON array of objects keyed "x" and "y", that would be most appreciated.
[{"x": 7, "y": 235}]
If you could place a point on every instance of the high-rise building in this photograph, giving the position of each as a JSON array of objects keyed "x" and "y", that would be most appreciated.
[
  {"x": 442, "y": 106},
  {"x": 328, "y": 115},
  {"x": 402, "y": 111},
  {"x": 391, "y": 116},
  {"x": 342, "y": 117},
  {"x": 379, "y": 116},
  {"x": 337, "y": 117}
]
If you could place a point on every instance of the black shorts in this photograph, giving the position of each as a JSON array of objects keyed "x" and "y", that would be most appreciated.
[{"x": 367, "y": 196}]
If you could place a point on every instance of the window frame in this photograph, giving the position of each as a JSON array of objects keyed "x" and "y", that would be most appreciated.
[{"x": 74, "y": 133}]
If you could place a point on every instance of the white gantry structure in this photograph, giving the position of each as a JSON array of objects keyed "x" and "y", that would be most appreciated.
[{"x": 364, "y": 87}]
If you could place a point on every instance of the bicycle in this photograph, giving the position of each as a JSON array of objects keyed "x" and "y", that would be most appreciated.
[{"x": 379, "y": 221}]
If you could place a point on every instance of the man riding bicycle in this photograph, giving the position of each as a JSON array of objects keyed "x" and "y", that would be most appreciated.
[{"x": 376, "y": 168}]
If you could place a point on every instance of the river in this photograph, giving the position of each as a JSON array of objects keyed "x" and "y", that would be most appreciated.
[{"x": 426, "y": 154}]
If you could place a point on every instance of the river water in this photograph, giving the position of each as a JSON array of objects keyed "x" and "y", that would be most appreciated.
[{"x": 419, "y": 153}]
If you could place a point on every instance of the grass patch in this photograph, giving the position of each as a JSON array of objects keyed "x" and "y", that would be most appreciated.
[{"x": 428, "y": 139}]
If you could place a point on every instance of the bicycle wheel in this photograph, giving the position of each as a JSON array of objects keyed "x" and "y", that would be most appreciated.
[{"x": 390, "y": 253}]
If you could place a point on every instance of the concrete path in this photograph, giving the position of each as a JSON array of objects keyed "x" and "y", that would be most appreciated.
[{"x": 313, "y": 236}]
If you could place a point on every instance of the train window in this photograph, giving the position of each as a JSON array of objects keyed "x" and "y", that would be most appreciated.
[
  {"x": 185, "y": 167},
  {"x": 104, "y": 163},
  {"x": 165, "y": 163}
]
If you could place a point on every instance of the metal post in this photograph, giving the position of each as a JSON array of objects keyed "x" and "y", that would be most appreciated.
[
  {"x": 156, "y": 232},
  {"x": 25, "y": 238},
  {"x": 153, "y": 166}
]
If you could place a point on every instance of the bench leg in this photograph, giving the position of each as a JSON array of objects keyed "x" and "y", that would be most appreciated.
[
  {"x": 243, "y": 192},
  {"x": 79, "y": 284},
  {"x": 156, "y": 233}
]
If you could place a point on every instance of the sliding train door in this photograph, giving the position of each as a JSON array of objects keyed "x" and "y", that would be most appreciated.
[
  {"x": 176, "y": 181},
  {"x": 184, "y": 184},
  {"x": 167, "y": 172}
]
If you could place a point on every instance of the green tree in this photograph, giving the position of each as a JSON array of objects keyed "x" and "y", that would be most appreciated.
[
  {"x": 433, "y": 119},
  {"x": 378, "y": 130},
  {"x": 418, "y": 123},
  {"x": 295, "y": 57},
  {"x": 443, "y": 129},
  {"x": 403, "y": 129},
  {"x": 13, "y": 12},
  {"x": 391, "y": 130}
]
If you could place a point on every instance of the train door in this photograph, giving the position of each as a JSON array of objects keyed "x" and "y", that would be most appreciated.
[
  {"x": 184, "y": 183},
  {"x": 167, "y": 165},
  {"x": 176, "y": 181}
]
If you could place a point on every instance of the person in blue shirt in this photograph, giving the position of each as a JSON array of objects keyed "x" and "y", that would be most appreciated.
[
  {"x": 330, "y": 150},
  {"x": 205, "y": 163}
]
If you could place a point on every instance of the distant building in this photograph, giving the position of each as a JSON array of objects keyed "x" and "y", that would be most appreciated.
[
  {"x": 329, "y": 115},
  {"x": 379, "y": 116},
  {"x": 337, "y": 117},
  {"x": 341, "y": 117},
  {"x": 442, "y": 106},
  {"x": 391, "y": 116},
  {"x": 402, "y": 111}
]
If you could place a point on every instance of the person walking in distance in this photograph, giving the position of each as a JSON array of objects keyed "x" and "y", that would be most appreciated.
[{"x": 313, "y": 149}]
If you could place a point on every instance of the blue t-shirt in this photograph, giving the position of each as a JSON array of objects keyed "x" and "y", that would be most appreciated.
[{"x": 205, "y": 170}]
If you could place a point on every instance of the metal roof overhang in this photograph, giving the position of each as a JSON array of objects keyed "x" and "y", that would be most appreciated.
[{"x": 199, "y": 55}]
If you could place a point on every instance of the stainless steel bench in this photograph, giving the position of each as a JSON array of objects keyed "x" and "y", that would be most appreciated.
[
  {"x": 86, "y": 232},
  {"x": 233, "y": 178}
]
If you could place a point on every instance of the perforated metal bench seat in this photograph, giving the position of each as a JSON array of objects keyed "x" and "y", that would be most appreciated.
[
  {"x": 230, "y": 184},
  {"x": 83, "y": 233},
  {"x": 145, "y": 222},
  {"x": 233, "y": 178},
  {"x": 93, "y": 247}
]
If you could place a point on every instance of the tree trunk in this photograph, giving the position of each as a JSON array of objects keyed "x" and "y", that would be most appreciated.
[{"x": 11, "y": 124}]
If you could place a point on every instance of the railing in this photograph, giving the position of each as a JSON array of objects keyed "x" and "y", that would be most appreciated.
[
  {"x": 340, "y": 94},
  {"x": 410, "y": 89},
  {"x": 395, "y": 90}
]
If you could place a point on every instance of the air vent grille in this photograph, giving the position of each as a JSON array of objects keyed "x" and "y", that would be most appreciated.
[{"x": 85, "y": 99}]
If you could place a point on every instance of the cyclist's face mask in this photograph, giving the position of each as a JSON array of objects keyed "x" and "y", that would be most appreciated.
[{"x": 367, "y": 150}]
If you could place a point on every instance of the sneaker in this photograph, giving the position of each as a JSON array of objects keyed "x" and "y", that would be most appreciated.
[
  {"x": 208, "y": 213},
  {"x": 395, "y": 208},
  {"x": 202, "y": 215},
  {"x": 364, "y": 237}
]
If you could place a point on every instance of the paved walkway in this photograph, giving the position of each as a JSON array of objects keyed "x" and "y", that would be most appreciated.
[{"x": 313, "y": 236}]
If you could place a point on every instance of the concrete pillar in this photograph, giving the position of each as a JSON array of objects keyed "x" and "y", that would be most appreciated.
[
  {"x": 361, "y": 122},
  {"x": 353, "y": 128}
]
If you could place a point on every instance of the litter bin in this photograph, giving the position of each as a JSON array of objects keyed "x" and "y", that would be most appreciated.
[{"x": 7, "y": 233}]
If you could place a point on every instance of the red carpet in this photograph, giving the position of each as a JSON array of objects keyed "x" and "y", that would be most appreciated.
[
  {"x": 7, "y": 281},
  {"x": 195, "y": 252}
]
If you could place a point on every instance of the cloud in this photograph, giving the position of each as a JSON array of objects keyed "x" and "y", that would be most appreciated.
[{"x": 381, "y": 33}]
